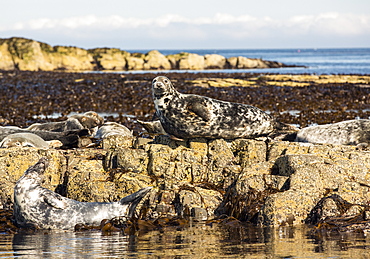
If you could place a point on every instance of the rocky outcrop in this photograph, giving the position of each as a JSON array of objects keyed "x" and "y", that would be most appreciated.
[
  {"x": 26, "y": 54},
  {"x": 264, "y": 182}
]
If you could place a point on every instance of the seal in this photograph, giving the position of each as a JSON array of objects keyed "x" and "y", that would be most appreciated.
[
  {"x": 88, "y": 120},
  {"x": 38, "y": 207},
  {"x": 28, "y": 140},
  {"x": 112, "y": 128},
  {"x": 351, "y": 132},
  {"x": 187, "y": 116},
  {"x": 70, "y": 139}
]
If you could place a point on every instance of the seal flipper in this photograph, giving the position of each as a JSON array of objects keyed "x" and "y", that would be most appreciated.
[
  {"x": 55, "y": 200},
  {"x": 200, "y": 107},
  {"x": 133, "y": 200}
]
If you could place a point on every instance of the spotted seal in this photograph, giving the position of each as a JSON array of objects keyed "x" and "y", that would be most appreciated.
[
  {"x": 351, "y": 132},
  {"x": 35, "y": 206},
  {"x": 28, "y": 140},
  {"x": 189, "y": 116}
]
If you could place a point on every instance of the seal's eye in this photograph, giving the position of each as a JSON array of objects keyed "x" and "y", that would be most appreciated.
[
  {"x": 154, "y": 80},
  {"x": 165, "y": 81}
]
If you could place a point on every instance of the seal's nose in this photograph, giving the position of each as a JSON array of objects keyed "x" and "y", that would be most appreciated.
[{"x": 158, "y": 85}]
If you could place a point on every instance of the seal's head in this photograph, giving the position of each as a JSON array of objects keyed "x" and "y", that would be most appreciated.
[
  {"x": 35, "y": 174},
  {"x": 163, "y": 91}
]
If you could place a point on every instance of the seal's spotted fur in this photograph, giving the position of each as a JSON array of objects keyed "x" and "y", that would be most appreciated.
[
  {"x": 35, "y": 206},
  {"x": 190, "y": 116}
]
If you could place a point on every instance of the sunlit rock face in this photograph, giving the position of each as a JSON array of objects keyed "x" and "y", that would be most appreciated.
[{"x": 26, "y": 54}]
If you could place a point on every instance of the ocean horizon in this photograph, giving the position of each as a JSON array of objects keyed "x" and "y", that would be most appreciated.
[{"x": 318, "y": 61}]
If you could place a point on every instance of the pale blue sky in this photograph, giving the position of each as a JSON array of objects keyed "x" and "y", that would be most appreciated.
[{"x": 191, "y": 24}]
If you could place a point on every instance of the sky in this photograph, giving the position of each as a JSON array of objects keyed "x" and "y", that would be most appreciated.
[{"x": 190, "y": 24}]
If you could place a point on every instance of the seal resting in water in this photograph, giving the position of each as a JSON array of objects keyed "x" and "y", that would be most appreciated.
[
  {"x": 187, "y": 116},
  {"x": 351, "y": 132},
  {"x": 35, "y": 206}
]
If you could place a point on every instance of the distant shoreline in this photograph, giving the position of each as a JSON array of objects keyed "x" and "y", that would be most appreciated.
[{"x": 30, "y": 55}]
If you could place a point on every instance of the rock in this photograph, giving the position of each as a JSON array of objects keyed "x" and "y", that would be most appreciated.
[
  {"x": 186, "y": 61},
  {"x": 109, "y": 58},
  {"x": 214, "y": 61},
  {"x": 25, "y": 54},
  {"x": 155, "y": 60},
  {"x": 6, "y": 58},
  {"x": 264, "y": 182},
  {"x": 135, "y": 63},
  {"x": 191, "y": 61},
  {"x": 70, "y": 58},
  {"x": 247, "y": 63},
  {"x": 28, "y": 55}
]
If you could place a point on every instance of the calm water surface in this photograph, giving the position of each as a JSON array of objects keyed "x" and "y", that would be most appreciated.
[{"x": 197, "y": 241}]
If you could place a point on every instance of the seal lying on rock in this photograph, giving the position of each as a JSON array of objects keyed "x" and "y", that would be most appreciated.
[
  {"x": 351, "y": 132},
  {"x": 112, "y": 128},
  {"x": 70, "y": 139},
  {"x": 88, "y": 120},
  {"x": 190, "y": 116},
  {"x": 35, "y": 206},
  {"x": 28, "y": 140}
]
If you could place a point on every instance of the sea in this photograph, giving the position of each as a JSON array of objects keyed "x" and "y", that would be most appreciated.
[{"x": 330, "y": 61}]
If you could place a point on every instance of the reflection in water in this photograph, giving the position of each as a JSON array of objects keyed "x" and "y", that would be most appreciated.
[{"x": 197, "y": 241}]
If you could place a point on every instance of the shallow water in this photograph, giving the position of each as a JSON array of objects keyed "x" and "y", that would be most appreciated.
[{"x": 196, "y": 241}]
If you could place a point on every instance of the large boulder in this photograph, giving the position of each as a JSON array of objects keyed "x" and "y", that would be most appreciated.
[
  {"x": 29, "y": 54},
  {"x": 155, "y": 60},
  {"x": 71, "y": 58},
  {"x": 135, "y": 61},
  {"x": 6, "y": 59},
  {"x": 186, "y": 61},
  {"x": 109, "y": 58},
  {"x": 214, "y": 61}
]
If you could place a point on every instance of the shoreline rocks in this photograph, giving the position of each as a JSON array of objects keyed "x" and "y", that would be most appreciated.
[
  {"x": 26, "y": 54},
  {"x": 270, "y": 183}
]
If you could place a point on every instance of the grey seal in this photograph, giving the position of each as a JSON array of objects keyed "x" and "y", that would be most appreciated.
[
  {"x": 35, "y": 206},
  {"x": 69, "y": 139},
  {"x": 112, "y": 128},
  {"x": 351, "y": 132},
  {"x": 28, "y": 140},
  {"x": 89, "y": 120},
  {"x": 190, "y": 116}
]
